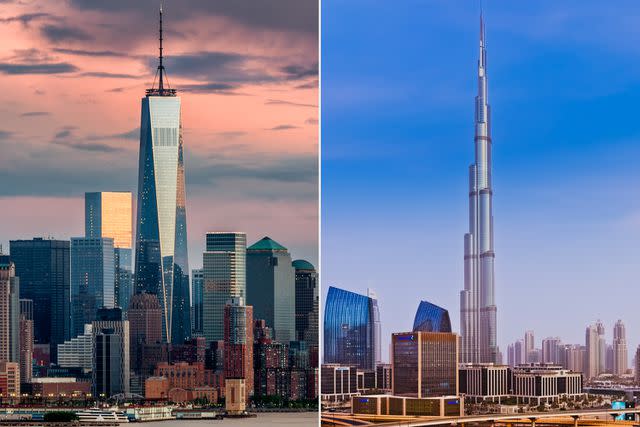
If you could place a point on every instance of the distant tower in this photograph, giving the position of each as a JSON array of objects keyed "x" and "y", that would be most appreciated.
[
  {"x": 9, "y": 311},
  {"x": 602, "y": 348},
  {"x": 26, "y": 340},
  {"x": 619, "y": 349},
  {"x": 271, "y": 287},
  {"x": 110, "y": 371},
  {"x": 592, "y": 358},
  {"x": 377, "y": 328},
  {"x": 307, "y": 302},
  {"x": 238, "y": 344},
  {"x": 224, "y": 275},
  {"x": 478, "y": 309},
  {"x": 161, "y": 246},
  {"x": 529, "y": 346}
]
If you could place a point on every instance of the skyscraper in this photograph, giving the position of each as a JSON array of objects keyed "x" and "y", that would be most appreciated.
[
  {"x": 377, "y": 327},
  {"x": 519, "y": 352},
  {"x": 478, "y": 310},
  {"x": 43, "y": 268},
  {"x": 271, "y": 287},
  {"x": 110, "y": 370},
  {"x": 307, "y": 302},
  {"x": 9, "y": 311},
  {"x": 551, "y": 350},
  {"x": 197, "y": 286},
  {"x": 109, "y": 214},
  {"x": 619, "y": 349},
  {"x": 431, "y": 318},
  {"x": 592, "y": 357},
  {"x": 238, "y": 343},
  {"x": 349, "y": 337},
  {"x": 26, "y": 340},
  {"x": 224, "y": 269},
  {"x": 529, "y": 346},
  {"x": 92, "y": 279},
  {"x": 145, "y": 328},
  {"x": 161, "y": 244},
  {"x": 602, "y": 347}
]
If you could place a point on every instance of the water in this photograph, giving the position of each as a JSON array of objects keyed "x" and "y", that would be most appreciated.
[{"x": 288, "y": 419}]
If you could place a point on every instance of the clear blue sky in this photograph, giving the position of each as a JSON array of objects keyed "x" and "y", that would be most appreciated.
[{"x": 398, "y": 87}]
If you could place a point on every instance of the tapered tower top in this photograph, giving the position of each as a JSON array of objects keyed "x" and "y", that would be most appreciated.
[{"x": 161, "y": 90}]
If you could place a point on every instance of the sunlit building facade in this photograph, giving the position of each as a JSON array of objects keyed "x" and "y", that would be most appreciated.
[
  {"x": 161, "y": 231},
  {"x": 349, "y": 333}
]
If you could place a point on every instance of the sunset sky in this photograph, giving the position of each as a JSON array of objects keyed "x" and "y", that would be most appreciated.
[{"x": 72, "y": 74}]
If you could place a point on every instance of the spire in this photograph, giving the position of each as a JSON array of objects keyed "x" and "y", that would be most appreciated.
[
  {"x": 162, "y": 90},
  {"x": 160, "y": 66},
  {"x": 481, "y": 26}
]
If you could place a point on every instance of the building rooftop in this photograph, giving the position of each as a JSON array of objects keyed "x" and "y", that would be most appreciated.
[
  {"x": 301, "y": 264},
  {"x": 266, "y": 244}
]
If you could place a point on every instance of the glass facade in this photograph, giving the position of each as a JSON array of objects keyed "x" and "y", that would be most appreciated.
[
  {"x": 306, "y": 302},
  {"x": 43, "y": 267},
  {"x": 431, "y": 318},
  {"x": 224, "y": 275},
  {"x": 197, "y": 285},
  {"x": 161, "y": 244},
  {"x": 92, "y": 280},
  {"x": 271, "y": 287},
  {"x": 349, "y": 336},
  {"x": 425, "y": 364}
]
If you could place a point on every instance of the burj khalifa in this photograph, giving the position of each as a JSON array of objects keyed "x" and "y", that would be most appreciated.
[{"x": 477, "y": 300}]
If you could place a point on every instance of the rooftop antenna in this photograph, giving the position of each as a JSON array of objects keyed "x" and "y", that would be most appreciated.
[
  {"x": 161, "y": 73},
  {"x": 160, "y": 66}
]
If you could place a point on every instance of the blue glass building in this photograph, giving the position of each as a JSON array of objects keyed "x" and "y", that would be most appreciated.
[
  {"x": 349, "y": 333},
  {"x": 161, "y": 232},
  {"x": 431, "y": 318}
]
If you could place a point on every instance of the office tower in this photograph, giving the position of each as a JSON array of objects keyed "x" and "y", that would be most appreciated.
[
  {"x": 92, "y": 279},
  {"x": 477, "y": 301},
  {"x": 349, "y": 337},
  {"x": 78, "y": 351},
  {"x": 551, "y": 350},
  {"x": 519, "y": 352},
  {"x": 9, "y": 379},
  {"x": 592, "y": 357},
  {"x": 431, "y": 318},
  {"x": 9, "y": 311},
  {"x": 637, "y": 365},
  {"x": 602, "y": 348},
  {"x": 26, "y": 340},
  {"x": 224, "y": 271},
  {"x": 238, "y": 343},
  {"x": 619, "y": 349},
  {"x": 576, "y": 358},
  {"x": 424, "y": 364},
  {"x": 109, "y": 214},
  {"x": 44, "y": 271},
  {"x": 271, "y": 286},
  {"x": 529, "y": 345},
  {"x": 161, "y": 232},
  {"x": 307, "y": 302},
  {"x": 145, "y": 327},
  {"x": 110, "y": 370},
  {"x": 377, "y": 328},
  {"x": 197, "y": 286}
]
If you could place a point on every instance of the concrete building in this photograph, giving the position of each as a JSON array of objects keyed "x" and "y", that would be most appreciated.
[
  {"x": 444, "y": 406},
  {"x": 78, "y": 351},
  {"x": 110, "y": 367},
  {"x": 338, "y": 382},
  {"x": 9, "y": 311},
  {"x": 43, "y": 267},
  {"x": 271, "y": 287},
  {"x": 224, "y": 270},
  {"x": 60, "y": 387},
  {"x": 592, "y": 358},
  {"x": 529, "y": 346},
  {"x": 481, "y": 382},
  {"x": 538, "y": 383},
  {"x": 575, "y": 357},
  {"x": 26, "y": 340},
  {"x": 551, "y": 348},
  {"x": 9, "y": 379},
  {"x": 637, "y": 366},
  {"x": 145, "y": 328},
  {"x": 424, "y": 364}
]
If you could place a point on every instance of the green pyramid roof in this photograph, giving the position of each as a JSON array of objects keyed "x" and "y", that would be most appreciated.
[{"x": 267, "y": 244}]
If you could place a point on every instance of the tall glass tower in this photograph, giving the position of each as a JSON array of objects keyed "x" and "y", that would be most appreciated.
[
  {"x": 477, "y": 300},
  {"x": 161, "y": 244}
]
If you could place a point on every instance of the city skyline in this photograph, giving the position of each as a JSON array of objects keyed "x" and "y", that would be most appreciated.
[
  {"x": 566, "y": 218},
  {"x": 73, "y": 85}
]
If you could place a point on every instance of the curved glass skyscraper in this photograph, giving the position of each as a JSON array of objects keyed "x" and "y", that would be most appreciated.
[
  {"x": 477, "y": 300},
  {"x": 431, "y": 318},
  {"x": 349, "y": 333},
  {"x": 161, "y": 244}
]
